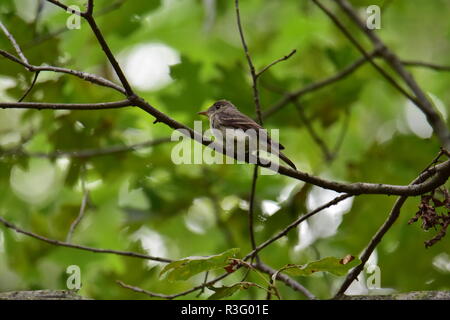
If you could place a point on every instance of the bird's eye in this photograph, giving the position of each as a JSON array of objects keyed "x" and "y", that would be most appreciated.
[{"x": 217, "y": 106}]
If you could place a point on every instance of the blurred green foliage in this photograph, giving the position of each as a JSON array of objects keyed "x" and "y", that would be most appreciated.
[{"x": 141, "y": 201}]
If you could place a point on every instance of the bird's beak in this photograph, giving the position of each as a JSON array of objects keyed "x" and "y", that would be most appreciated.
[{"x": 203, "y": 113}]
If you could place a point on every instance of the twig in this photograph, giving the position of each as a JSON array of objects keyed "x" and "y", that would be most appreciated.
[
  {"x": 82, "y": 75},
  {"x": 83, "y": 206},
  {"x": 65, "y": 106},
  {"x": 80, "y": 247},
  {"x": 14, "y": 43},
  {"x": 66, "y": 8},
  {"x": 250, "y": 65},
  {"x": 254, "y": 76},
  {"x": 251, "y": 211},
  {"x": 275, "y": 62},
  {"x": 317, "y": 85},
  {"x": 392, "y": 217},
  {"x": 353, "y": 40},
  {"x": 420, "y": 99},
  {"x": 296, "y": 223},
  {"x": 113, "y": 6},
  {"x": 312, "y": 132},
  {"x": 101, "y": 40},
  {"x": 204, "y": 281},
  {"x": 286, "y": 279},
  {"x": 36, "y": 75},
  {"x": 427, "y": 65},
  {"x": 87, "y": 153},
  {"x": 341, "y": 137},
  {"x": 172, "y": 296}
]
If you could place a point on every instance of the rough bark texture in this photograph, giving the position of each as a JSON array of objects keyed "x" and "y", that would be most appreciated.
[
  {"x": 414, "y": 295},
  {"x": 41, "y": 295},
  {"x": 70, "y": 295}
]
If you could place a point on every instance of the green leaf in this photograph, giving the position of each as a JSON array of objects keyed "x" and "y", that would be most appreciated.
[
  {"x": 336, "y": 266},
  {"x": 185, "y": 268},
  {"x": 224, "y": 291}
]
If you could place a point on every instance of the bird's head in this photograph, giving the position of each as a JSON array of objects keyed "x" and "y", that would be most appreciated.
[{"x": 218, "y": 106}]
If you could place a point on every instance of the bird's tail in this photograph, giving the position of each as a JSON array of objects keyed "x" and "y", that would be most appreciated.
[{"x": 286, "y": 159}]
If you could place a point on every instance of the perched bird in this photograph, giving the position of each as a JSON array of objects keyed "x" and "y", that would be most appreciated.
[{"x": 227, "y": 119}]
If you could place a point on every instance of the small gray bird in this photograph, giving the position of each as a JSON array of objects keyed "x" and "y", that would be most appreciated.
[{"x": 226, "y": 118}]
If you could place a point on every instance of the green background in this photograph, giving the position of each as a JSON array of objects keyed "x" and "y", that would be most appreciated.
[{"x": 187, "y": 210}]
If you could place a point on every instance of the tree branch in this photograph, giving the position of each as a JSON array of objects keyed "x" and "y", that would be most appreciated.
[
  {"x": 14, "y": 43},
  {"x": 289, "y": 97},
  {"x": 286, "y": 279},
  {"x": 82, "y": 75},
  {"x": 421, "y": 100},
  {"x": 275, "y": 62},
  {"x": 392, "y": 217},
  {"x": 84, "y": 203},
  {"x": 87, "y": 153},
  {"x": 9, "y": 225},
  {"x": 65, "y": 106}
]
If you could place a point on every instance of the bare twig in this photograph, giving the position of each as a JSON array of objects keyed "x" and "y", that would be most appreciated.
[
  {"x": 65, "y": 106},
  {"x": 176, "y": 295},
  {"x": 296, "y": 223},
  {"x": 420, "y": 100},
  {"x": 340, "y": 140},
  {"x": 82, "y": 75},
  {"x": 66, "y": 8},
  {"x": 14, "y": 43},
  {"x": 312, "y": 132},
  {"x": 392, "y": 217},
  {"x": 52, "y": 34},
  {"x": 80, "y": 247},
  {"x": 250, "y": 65},
  {"x": 275, "y": 62},
  {"x": 101, "y": 40},
  {"x": 427, "y": 65},
  {"x": 84, "y": 203},
  {"x": 256, "y": 99},
  {"x": 286, "y": 279},
  {"x": 86, "y": 153},
  {"x": 289, "y": 97},
  {"x": 36, "y": 75},
  {"x": 353, "y": 40}
]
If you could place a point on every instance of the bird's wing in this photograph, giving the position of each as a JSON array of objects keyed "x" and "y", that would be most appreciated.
[{"x": 241, "y": 121}]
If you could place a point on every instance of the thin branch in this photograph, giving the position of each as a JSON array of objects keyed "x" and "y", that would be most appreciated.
[
  {"x": 9, "y": 225},
  {"x": 90, "y": 8},
  {"x": 420, "y": 100},
  {"x": 83, "y": 207},
  {"x": 289, "y": 97},
  {"x": 341, "y": 137},
  {"x": 66, "y": 8},
  {"x": 286, "y": 279},
  {"x": 36, "y": 75},
  {"x": 65, "y": 106},
  {"x": 376, "y": 239},
  {"x": 294, "y": 224},
  {"x": 254, "y": 76},
  {"x": 275, "y": 62},
  {"x": 312, "y": 132},
  {"x": 87, "y": 153},
  {"x": 353, "y": 40},
  {"x": 82, "y": 75},
  {"x": 251, "y": 211},
  {"x": 110, "y": 55},
  {"x": 427, "y": 65},
  {"x": 437, "y": 175},
  {"x": 176, "y": 295},
  {"x": 52, "y": 34},
  {"x": 250, "y": 65},
  {"x": 14, "y": 43}
]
